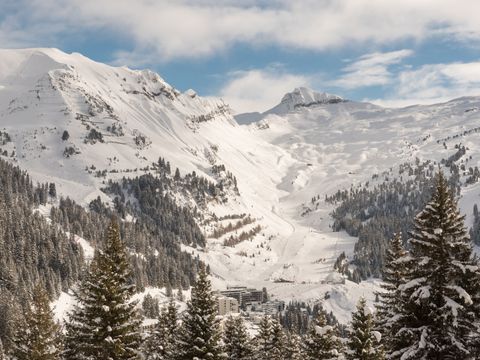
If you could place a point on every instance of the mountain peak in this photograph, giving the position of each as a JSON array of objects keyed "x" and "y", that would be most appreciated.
[{"x": 304, "y": 97}]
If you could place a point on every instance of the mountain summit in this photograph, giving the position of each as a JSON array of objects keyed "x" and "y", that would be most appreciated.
[{"x": 304, "y": 97}]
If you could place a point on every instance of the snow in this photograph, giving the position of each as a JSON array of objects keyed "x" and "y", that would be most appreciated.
[
  {"x": 377, "y": 335},
  {"x": 306, "y": 146},
  {"x": 423, "y": 292},
  {"x": 63, "y": 306},
  {"x": 322, "y": 330},
  {"x": 463, "y": 294},
  {"x": 88, "y": 250},
  {"x": 160, "y": 294},
  {"x": 454, "y": 307},
  {"x": 412, "y": 283},
  {"x": 368, "y": 310},
  {"x": 302, "y": 96}
]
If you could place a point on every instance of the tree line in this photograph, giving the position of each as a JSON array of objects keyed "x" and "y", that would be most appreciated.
[
  {"x": 36, "y": 249},
  {"x": 428, "y": 308},
  {"x": 105, "y": 324}
]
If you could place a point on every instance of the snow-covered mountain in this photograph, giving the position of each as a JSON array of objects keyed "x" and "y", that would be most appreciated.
[
  {"x": 78, "y": 123},
  {"x": 303, "y": 97}
]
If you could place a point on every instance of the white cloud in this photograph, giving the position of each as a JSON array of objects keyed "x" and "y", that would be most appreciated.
[
  {"x": 199, "y": 28},
  {"x": 434, "y": 83},
  {"x": 259, "y": 89},
  {"x": 163, "y": 30},
  {"x": 371, "y": 69}
]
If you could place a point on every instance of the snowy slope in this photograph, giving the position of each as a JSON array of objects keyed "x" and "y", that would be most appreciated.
[
  {"x": 339, "y": 144},
  {"x": 345, "y": 143},
  {"x": 311, "y": 144},
  {"x": 140, "y": 118}
]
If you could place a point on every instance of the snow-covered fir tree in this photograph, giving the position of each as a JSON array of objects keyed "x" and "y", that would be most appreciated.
[
  {"x": 270, "y": 340},
  {"x": 2, "y": 352},
  {"x": 39, "y": 337},
  {"x": 150, "y": 307},
  {"x": 293, "y": 348},
  {"x": 236, "y": 342},
  {"x": 440, "y": 298},
  {"x": 389, "y": 306},
  {"x": 322, "y": 340},
  {"x": 11, "y": 317},
  {"x": 263, "y": 345},
  {"x": 162, "y": 343},
  {"x": 475, "y": 229},
  {"x": 199, "y": 336},
  {"x": 179, "y": 295},
  {"x": 364, "y": 342},
  {"x": 104, "y": 323},
  {"x": 278, "y": 340}
]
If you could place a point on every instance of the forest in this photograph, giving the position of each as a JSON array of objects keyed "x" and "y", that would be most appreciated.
[{"x": 428, "y": 307}]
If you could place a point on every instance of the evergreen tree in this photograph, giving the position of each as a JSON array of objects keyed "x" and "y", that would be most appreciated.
[
  {"x": 263, "y": 346},
  {"x": 52, "y": 190},
  {"x": 150, "y": 307},
  {"x": 104, "y": 324},
  {"x": 39, "y": 337},
  {"x": 235, "y": 338},
  {"x": 200, "y": 333},
  {"x": 364, "y": 341},
  {"x": 180, "y": 296},
  {"x": 278, "y": 341},
  {"x": 162, "y": 343},
  {"x": 2, "y": 352},
  {"x": 177, "y": 176},
  {"x": 321, "y": 341},
  {"x": 475, "y": 230},
  {"x": 270, "y": 340},
  {"x": 293, "y": 349},
  {"x": 169, "y": 290},
  {"x": 389, "y": 306},
  {"x": 11, "y": 314},
  {"x": 65, "y": 135},
  {"x": 441, "y": 296}
]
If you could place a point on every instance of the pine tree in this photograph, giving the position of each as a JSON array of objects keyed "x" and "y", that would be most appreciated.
[
  {"x": 180, "y": 296},
  {"x": 2, "y": 352},
  {"x": 235, "y": 338},
  {"x": 162, "y": 344},
  {"x": 104, "y": 324},
  {"x": 270, "y": 340},
  {"x": 475, "y": 229},
  {"x": 11, "y": 314},
  {"x": 293, "y": 349},
  {"x": 150, "y": 307},
  {"x": 199, "y": 336},
  {"x": 278, "y": 341},
  {"x": 263, "y": 339},
  {"x": 52, "y": 190},
  {"x": 39, "y": 337},
  {"x": 65, "y": 135},
  {"x": 389, "y": 306},
  {"x": 364, "y": 341},
  {"x": 441, "y": 296},
  {"x": 321, "y": 341}
]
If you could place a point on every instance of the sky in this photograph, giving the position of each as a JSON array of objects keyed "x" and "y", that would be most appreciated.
[{"x": 252, "y": 52}]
